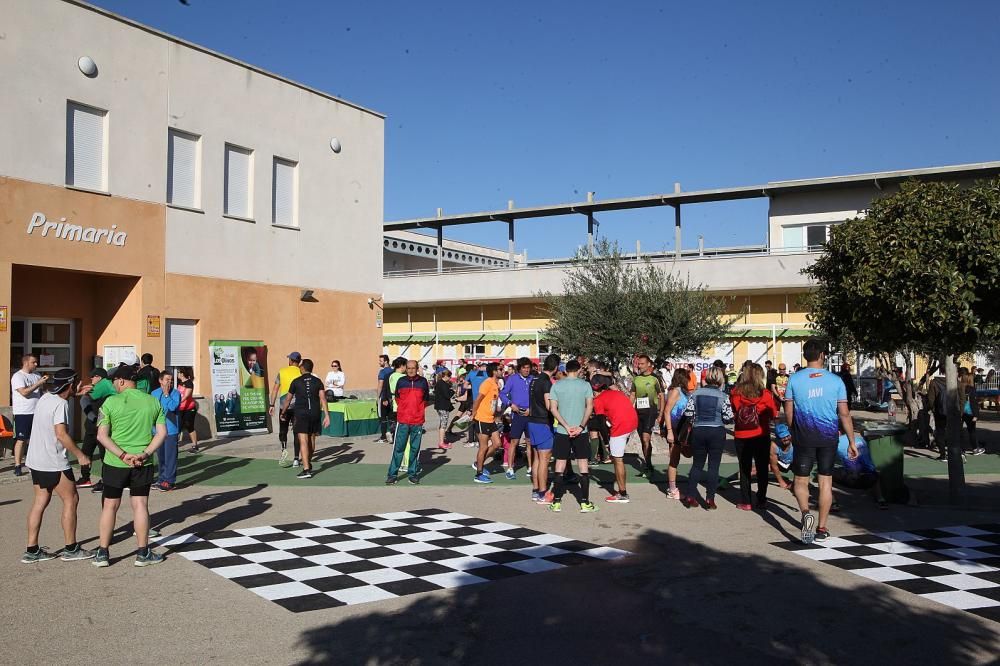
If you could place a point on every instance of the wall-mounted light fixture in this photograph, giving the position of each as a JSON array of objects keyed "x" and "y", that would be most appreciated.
[
  {"x": 375, "y": 301},
  {"x": 335, "y": 145},
  {"x": 307, "y": 296},
  {"x": 87, "y": 66}
]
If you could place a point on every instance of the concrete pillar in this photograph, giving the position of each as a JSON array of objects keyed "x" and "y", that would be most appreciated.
[
  {"x": 590, "y": 231},
  {"x": 510, "y": 243},
  {"x": 440, "y": 248},
  {"x": 677, "y": 230}
]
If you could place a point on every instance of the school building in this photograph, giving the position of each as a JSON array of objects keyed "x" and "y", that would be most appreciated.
[
  {"x": 484, "y": 304},
  {"x": 156, "y": 195}
]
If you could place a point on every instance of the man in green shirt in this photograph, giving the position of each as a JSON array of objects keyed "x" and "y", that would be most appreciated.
[
  {"x": 646, "y": 396},
  {"x": 125, "y": 430},
  {"x": 90, "y": 404}
]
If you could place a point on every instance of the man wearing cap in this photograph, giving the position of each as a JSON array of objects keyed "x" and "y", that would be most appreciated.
[
  {"x": 50, "y": 470},
  {"x": 282, "y": 381},
  {"x": 90, "y": 404},
  {"x": 131, "y": 428}
]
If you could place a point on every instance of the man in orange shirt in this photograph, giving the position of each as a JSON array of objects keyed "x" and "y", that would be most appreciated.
[{"x": 484, "y": 413}]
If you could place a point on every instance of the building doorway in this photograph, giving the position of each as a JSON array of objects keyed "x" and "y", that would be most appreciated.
[{"x": 52, "y": 341}]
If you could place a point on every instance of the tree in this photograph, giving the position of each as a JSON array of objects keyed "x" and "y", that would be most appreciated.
[
  {"x": 919, "y": 271},
  {"x": 612, "y": 308}
]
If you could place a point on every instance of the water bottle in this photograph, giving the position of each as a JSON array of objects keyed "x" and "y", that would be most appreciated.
[{"x": 890, "y": 414}]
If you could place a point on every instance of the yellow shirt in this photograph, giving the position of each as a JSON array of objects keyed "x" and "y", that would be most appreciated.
[
  {"x": 285, "y": 377},
  {"x": 489, "y": 391}
]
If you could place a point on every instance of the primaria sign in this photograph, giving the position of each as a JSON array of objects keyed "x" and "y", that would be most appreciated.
[{"x": 74, "y": 232}]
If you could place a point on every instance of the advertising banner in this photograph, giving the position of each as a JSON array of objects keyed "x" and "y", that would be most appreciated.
[{"x": 239, "y": 386}]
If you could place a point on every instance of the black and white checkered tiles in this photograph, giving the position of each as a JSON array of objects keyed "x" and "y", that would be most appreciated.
[
  {"x": 958, "y": 566},
  {"x": 340, "y": 561}
]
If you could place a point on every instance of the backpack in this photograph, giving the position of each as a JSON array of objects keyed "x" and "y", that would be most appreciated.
[{"x": 747, "y": 417}]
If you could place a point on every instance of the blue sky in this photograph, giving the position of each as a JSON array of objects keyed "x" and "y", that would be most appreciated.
[{"x": 540, "y": 102}]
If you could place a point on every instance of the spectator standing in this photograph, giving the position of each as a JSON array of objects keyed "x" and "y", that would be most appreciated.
[
  {"x": 90, "y": 403},
  {"x": 753, "y": 409},
  {"x": 166, "y": 456},
  {"x": 709, "y": 409},
  {"x": 848, "y": 379},
  {"x": 149, "y": 377},
  {"x": 188, "y": 410},
  {"x": 412, "y": 394},
  {"x": 25, "y": 390},
  {"x": 383, "y": 399},
  {"x": 443, "y": 394}
]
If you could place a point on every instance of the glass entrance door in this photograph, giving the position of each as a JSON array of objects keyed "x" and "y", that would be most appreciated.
[{"x": 52, "y": 341}]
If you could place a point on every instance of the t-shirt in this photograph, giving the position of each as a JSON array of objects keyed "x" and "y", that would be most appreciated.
[
  {"x": 131, "y": 415},
  {"x": 24, "y": 404},
  {"x": 815, "y": 393},
  {"x": 476, "y": 378},
  {"x": 571, "y": 395},
  {"x": 285, "y": 377},
  {"x": 336, "y": 377},
  {"x": 187, "y": 403},
  {"x": 304, "y": 390},
  {"x": 692, "y": 381},
  {"x": 618, "y": 408},
  {"x": 537, "y": 411},
  {"x": 647, "y": 392},
  {"x": 863, "y": 464},
  {"x": 490, "y": 392},
  {"x": 45, "y": 452},
  {"x": 383, "y": 376},
  {"x": 394, "y": 378},
  {"x": 780, "y": 385}
]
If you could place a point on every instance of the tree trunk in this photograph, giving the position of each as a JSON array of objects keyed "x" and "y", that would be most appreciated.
[{"x": 956, "y": 470}]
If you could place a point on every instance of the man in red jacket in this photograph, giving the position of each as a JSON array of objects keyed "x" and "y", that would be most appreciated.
[{"x": 412, "y": 395}]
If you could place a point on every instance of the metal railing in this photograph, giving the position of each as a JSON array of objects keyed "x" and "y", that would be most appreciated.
[{"x": 686, "y": 255}]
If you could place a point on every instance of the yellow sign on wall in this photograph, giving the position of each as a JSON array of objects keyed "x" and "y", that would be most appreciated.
[
  {"x": 3, "y": 318},
  {"x": 152, "y": 326}
]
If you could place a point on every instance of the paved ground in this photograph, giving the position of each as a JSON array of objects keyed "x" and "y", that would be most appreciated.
[{"x": 701, "y": 587}]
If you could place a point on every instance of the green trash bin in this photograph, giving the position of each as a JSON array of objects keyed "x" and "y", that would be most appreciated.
[{"x": 886, "y": 442}]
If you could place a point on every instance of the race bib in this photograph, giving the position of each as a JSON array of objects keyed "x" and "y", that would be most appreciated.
[{"x": 642, "y": 403}]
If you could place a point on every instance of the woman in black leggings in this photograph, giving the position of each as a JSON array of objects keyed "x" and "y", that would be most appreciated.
[
  {"x": 709, "y": 410},
  {"x": 753, "y": 409}
]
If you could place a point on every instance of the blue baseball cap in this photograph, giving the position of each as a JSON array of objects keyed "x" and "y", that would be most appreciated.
[
  {"x": 781, "y": 430},
  {"x": 295, "y": 356}
]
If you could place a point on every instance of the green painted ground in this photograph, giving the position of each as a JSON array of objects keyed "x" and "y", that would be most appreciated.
[{"x": 213, "y": 470}]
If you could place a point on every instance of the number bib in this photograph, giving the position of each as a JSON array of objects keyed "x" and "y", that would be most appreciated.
[{"x": 642, "y": 403}]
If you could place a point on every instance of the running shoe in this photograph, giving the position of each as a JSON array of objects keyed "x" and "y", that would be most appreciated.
[
  {"x": 19, "y": 470},
  {"x": 555, "y": 506},
  {"x": 84, "y": 483},
  {"x": 822, "y": 534},
  {"x": 743, "y": 506},
  {"x": 391, "y": 481},
  {"x": 619, "y": 498},
  {"x": 808, "y": 528},
  {"x": 536, "y": 496},
  {"x": 710, "y": 505},
  {"x": 102, "y": 558},
  {"x": 149, "y": 559},
  {"x": 510, "y": 474},
  {"x": 835, "y": 507},
  {"x": 882, "y": 504},
  {"x": 528, "y": 472},
  {"x": 78, "y": 554},
  {"x": 194, "y": 449},
  {"x": 689, "y": 502},
  {"x": 381, "y": 440},
  {"x": 588, "y": 507},
  {"x": 646, "y": 473},
  {"x": 470, "y": 445},
  {"x": 164, "y": 486},
  {"x": 445, "y": 445},
  {"x": 414, "y": 480},
  {"x": 674, "y": 494},
  {"x": 304, "y": 474},
  {"x": 98, "y": 487},
  {"x": 978, "y": 451},
  {"x": 547, "y": 498},
  {"x": 483, "y": 478},
  {"x": 41, "y": 556},
  {"x": 296, "y": 463},
  {"x": 283, "y": 458}
]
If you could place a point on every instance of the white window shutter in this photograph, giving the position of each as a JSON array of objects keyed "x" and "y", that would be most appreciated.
[
  {"x": 182, "y": 174},
  {"x": 181, "y": 342},
  {"x": 237, "y": 181},
  {"x": 283, "y": 193},
  {"x": 85, "y": 147}
]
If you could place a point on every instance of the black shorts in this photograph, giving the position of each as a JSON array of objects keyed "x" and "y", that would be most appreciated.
[
  {"x": 566, "y": 447},
  {"x": 117, "y": 479},
  {"x": 804, "y": 457},
  {"x": 599, "y": 424},
  {"x": 485, "y": 428},
  {"x": 49, "y": 480},
  {"x": 647, "y": 420},
  {"x": 187, "y": 419},
  {"x": 305, "y": 423}
]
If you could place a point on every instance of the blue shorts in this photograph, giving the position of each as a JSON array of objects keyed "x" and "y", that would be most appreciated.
[
  {"x": 22, "y": 426},
  {"x": 541, "y": 436},
  {"x": 518, "y": 425}
]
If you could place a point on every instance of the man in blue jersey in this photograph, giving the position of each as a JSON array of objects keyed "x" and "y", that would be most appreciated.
[
  {"x": 383, "y": 399},
  {"x": 516, "y": 394},
  {"x": 816, "y": 408}
]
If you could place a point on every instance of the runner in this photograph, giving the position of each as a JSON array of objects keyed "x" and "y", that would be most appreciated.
[
  {"x": 616, "y": 408},
  {"x": 411, "y": 394},
  {"x": 25, "y": 391},
  {"x": 754, "y": 409},
  {"x": 677, "y": 400},
  {"x": 572, "y": 401},
  {"x": 646, "y": 392},
  {"x": 383, "y": 398},
  {"x": 516, "y": 394},
  {"x": 166, "y": 455},
  {"x": 310, "y": 413},
  {"x": 708, "y": 408},
  {"x": 815, "y": 400},
  {"x": 540, "y": 430},
  {"x": 279, "y": 391},
  {"x": 133, "y": 417},
  {"x": 50, "y": 470},
  {"x": 484, "y": 411},
  {"x": 779, "y": 384},
  {"x": 90, "y": 405},
  {"x": 188, "y": 409},
  {"x": 474, "y": 377},
  {"x": 597, "y": 426}
]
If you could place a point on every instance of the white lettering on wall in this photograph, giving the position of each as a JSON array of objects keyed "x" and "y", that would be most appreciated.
[{"x": 75, "y": 232}]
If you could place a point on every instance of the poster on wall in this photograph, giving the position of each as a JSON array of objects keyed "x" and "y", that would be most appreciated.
[
  {"x": 115, "y": 354},
  {"x": 239, "y": 386}
]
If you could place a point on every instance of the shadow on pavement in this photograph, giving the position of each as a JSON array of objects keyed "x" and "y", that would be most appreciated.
[{"x": 674, "y": 601}]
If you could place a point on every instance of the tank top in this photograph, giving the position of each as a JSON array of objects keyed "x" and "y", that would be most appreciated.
[{"x": 678, "y": 410}]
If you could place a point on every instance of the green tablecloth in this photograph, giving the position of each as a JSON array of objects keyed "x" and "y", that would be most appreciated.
[{"x": 350, "y": 418}]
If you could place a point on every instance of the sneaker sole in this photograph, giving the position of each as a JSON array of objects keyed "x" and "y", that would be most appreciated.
[
  {"x": 147, "y": 563},
  {"x": 101, "y": 563},
  {"x": 808, "y": 528},
  {"x": 618, "y": 501},
  {"x": 77, "y": 559},
  {"x": 482, "y": 482},
  {"x": 45, "y": 559}
]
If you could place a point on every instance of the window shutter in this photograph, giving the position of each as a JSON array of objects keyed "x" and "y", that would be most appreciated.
[
  {"x": 237, "y": 181},
  {"x": 283, "y": 194},
  {"x": 181, "y": 342},
  {"x": 182, "y": 175},
  {"x": 85, "y": 149}
]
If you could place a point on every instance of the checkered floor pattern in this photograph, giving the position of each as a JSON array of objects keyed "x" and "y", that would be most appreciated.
[
  {"x": 958, "y": 566},
  {"x": 341, "y": 561}
]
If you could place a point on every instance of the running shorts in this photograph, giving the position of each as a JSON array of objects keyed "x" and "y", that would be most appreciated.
[
  {"x": 541, "y": 436},
  {"x": 117, "y": 479},
  {"x": 805, "y": 457},
  {"x": 22, "y": 426},
  {"x": 647, "y": 420},
  {"x": 307, "y": 423},
  {"x": 485, "y": 428},
  {"x": 187, "y": 419},
  {"x": 49, "y": 480},
  {"x": 566, "y": 447},
  {"x": 617, "y": 446}
]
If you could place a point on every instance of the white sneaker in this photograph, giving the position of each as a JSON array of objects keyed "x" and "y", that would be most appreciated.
[{"x": 296, "y": 462}]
